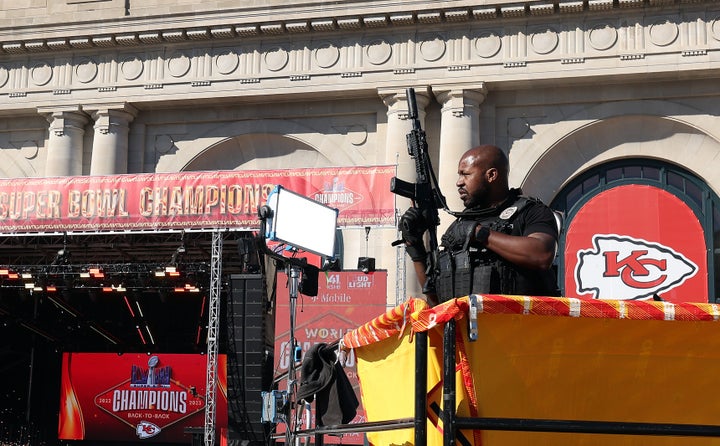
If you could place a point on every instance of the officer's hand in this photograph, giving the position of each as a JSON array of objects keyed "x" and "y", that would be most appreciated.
[
  {"x": 412, "y": 226},
  {"x": 459, "y": 234}
]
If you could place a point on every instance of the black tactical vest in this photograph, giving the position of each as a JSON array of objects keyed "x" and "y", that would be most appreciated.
[{"x": 465, "y": 270}]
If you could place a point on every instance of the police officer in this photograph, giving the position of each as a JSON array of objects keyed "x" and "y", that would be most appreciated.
[{"x": 501, "y": 243}]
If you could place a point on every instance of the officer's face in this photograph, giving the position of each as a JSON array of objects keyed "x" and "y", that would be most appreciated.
[{"x": 473, "y": 184}]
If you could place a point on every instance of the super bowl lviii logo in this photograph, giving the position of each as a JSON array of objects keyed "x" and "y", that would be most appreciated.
[
  {"x": 150, "y": 400},
  {"x": 622, "y": 267}
]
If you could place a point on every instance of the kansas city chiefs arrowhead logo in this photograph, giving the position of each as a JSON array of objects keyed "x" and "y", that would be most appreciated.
[
  {"x": 146, "y": 429},
  {"x": 621, "y": 267}
]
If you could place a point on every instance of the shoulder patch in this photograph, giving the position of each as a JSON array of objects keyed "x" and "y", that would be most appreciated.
[{"x": 508, "y": 212}]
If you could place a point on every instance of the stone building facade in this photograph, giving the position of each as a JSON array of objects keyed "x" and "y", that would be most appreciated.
[{"x": 567, "y": 87}]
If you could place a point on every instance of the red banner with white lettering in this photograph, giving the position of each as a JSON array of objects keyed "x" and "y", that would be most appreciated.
[
  {"x": 345, "y": 301},
  {"x": 131, "y": 397},
  {"x": 636, "y": 242},
  {"x": 188, "y": 200}
]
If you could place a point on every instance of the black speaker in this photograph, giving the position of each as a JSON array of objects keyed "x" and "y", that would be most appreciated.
[
  {"x": 250, "y": 358},
  {"x": 366, "y": 264}
]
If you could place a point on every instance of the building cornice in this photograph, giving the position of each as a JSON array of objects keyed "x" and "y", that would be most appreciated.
[
  {"x": 134, "y": 32},
  {"x": 643, "y": 41}
]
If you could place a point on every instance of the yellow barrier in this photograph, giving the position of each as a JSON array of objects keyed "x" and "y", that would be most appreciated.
[{"x": 549, "y": 359}]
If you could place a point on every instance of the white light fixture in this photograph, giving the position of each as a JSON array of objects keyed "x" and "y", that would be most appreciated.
[{"x": 301, "y": 222}]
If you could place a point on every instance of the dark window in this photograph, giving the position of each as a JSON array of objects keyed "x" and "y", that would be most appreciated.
[
  {"x": 633, "y": 172},
  {"x": 676, "y": 181},
  {"x": 651, "y": 173},
  {"x": 613, "y": 174}
]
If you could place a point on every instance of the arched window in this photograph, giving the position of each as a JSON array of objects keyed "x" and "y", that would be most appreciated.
[{"x": 675, "y": 180}]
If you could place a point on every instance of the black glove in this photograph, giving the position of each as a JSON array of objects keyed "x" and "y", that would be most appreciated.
[
  {"x": 458, "y": 235},
  {"x": 412, "y": 226}
]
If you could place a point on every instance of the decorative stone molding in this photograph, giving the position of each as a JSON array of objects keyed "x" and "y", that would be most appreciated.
[
  {"x": 458, "y": 43},
  {"x": 35, "y": 47},
  {"x": 429, "y": 17},
  {"x": 61, "y": 121},
  {"x": 402, "y": 19},
  {"x": 127, "y": 39},
  {"x": 375, "y": 22},
  {"x": 352, "y": 23},
  {"x": 247, "y": 31},
  {"x": 396, "y": 101},
  {"x": 484, "y": 13},
  {"x": 513, "y": 11},
  {"x": 229, "y": 31},
  {"x": 58, "y": 44},
  {"x": 571, "y": 6},
  {"x": 223, "y": 32},
  {"x": 104, "y": 41},
  {"x": 547, "y": 9},
  {"x": 174, "y": 36},
  {"x": 107, "y": 117},
  {"x": 457, "y": 15},
  {"x": 457, "y": 99},
  {"x": 297, "y": 27},
  {"x": 600, "y": 5},
  {"x": 14, "y": 48},
  {"x": 81, "y": 43}
]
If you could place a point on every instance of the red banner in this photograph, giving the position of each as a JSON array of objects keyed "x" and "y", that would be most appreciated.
[
  {"x": 345, "y": 300},
  {"x": 188, "y": 200},
  {"x": 131, "y": 397}
]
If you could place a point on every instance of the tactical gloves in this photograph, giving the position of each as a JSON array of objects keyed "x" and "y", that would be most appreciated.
[
  {"x": 412, "y": 226},
  {"x": 459, "y": 235}
]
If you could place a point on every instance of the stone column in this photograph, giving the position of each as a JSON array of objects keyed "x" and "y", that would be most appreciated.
[
  {"x": 65, "y": 141},
  {"x": 459, "y": 131},
  {"x": 396, "y": 152},
  {"x": 110, "y": 140}
]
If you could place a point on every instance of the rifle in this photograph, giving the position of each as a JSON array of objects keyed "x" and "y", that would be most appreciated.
[{"x": 425, "y": 192}]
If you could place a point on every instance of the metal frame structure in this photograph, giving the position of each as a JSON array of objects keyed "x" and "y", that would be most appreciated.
[{"x": 212, "y": 339}]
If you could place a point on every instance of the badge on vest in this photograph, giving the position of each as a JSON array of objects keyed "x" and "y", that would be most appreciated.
[{"x": 507, "y": 213}]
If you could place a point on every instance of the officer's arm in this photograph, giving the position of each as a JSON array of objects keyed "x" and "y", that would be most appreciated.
[{"x": 535, "y": 251}]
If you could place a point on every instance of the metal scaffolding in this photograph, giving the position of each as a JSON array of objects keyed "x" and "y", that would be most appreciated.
[{"x": 212, "y": 342}]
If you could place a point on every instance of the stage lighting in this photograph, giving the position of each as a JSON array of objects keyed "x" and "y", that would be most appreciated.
[
  {"x": 177, "y": 255},
  {"x": 301, "y": 222},
  {"x": 62, "y": 257},
  {"x": 94, "y": 273},
  {"x": 169, "y": 271},
  {"x": 9, "y": 274}
]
